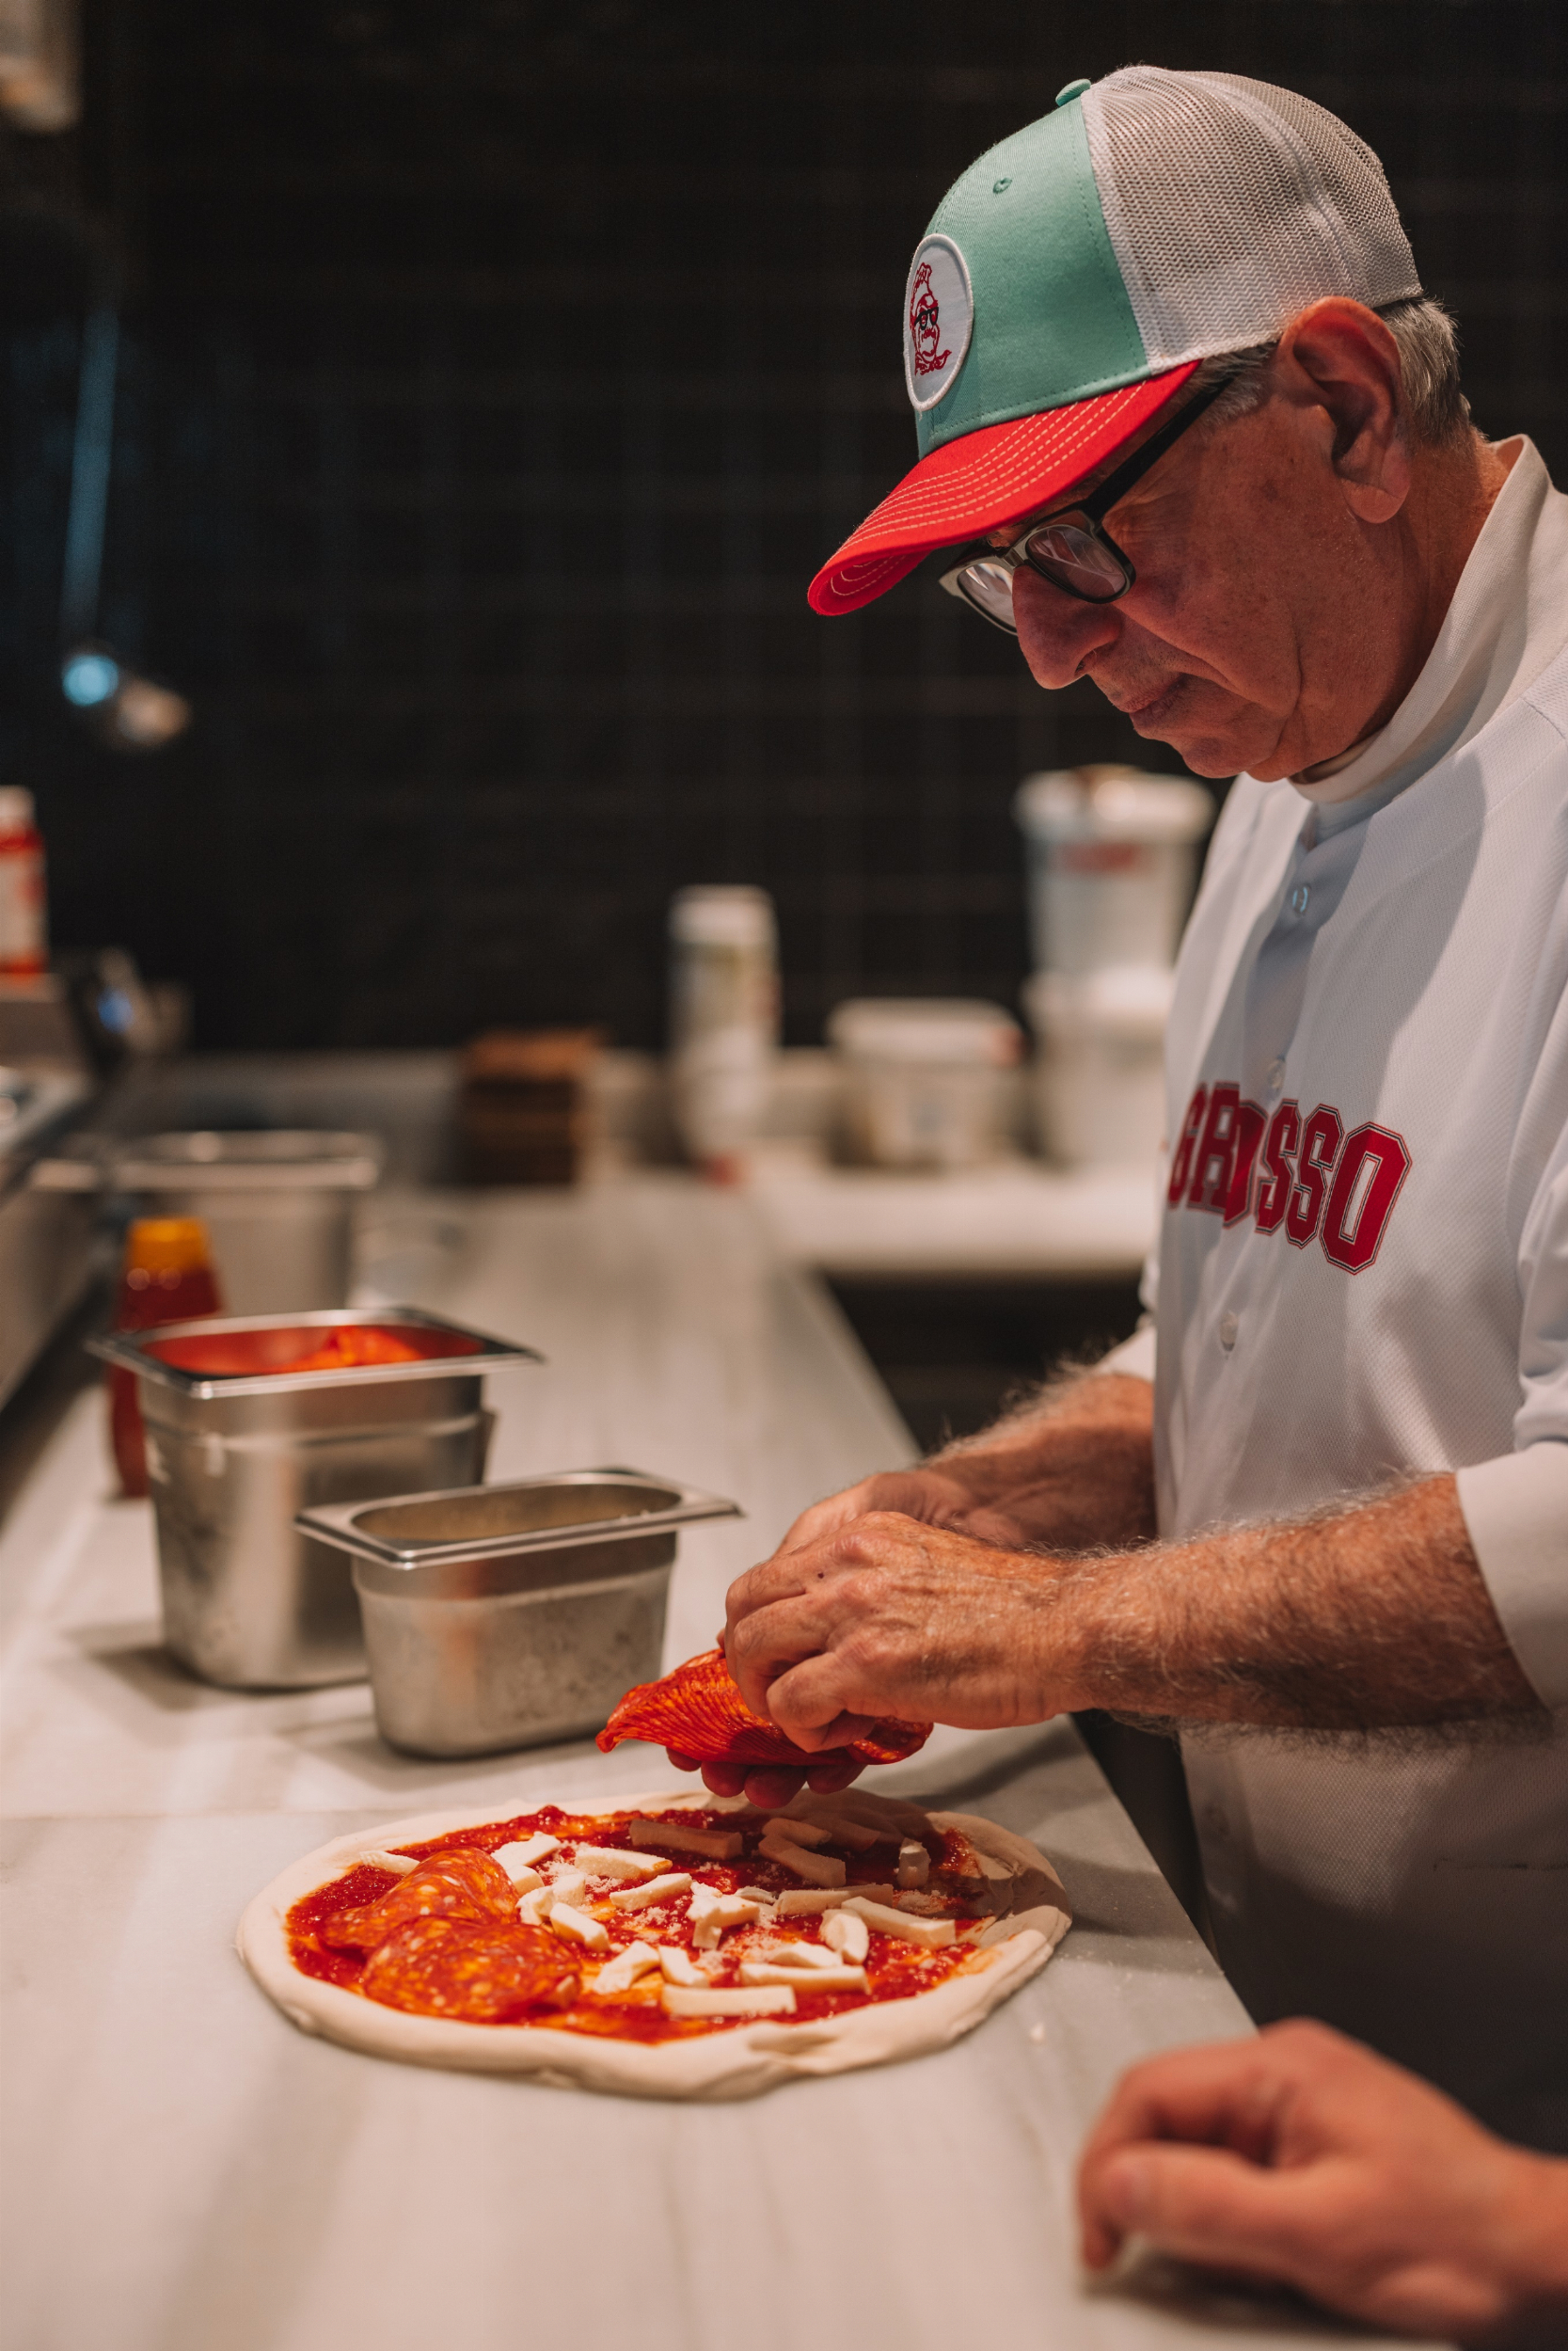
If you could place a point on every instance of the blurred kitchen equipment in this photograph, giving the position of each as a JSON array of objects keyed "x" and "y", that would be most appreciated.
[
  {"x": 238, "y": 1442},
  {"x": 723, "y": 1022},
  {"x": 49, "y": 1185},
  {"x": 924, "y": 1084},
  {"x": 1111, "y": 857},
  {"x": 166, "y": 1277},
  {"x": 278, "y": 1204},
  {"x": 125, "y": 710},
  {"x": 1099, "y": 1063},
  {"x": 512, "y": 1615},
  {"x": 523, "y": 1113},
  {"x": 23, "y": 905}
]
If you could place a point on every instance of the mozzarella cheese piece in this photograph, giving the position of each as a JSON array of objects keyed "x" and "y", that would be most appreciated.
[
  {"x": 914, "y": 1863},
  {"x": 816, "y": 1868},
  {"x": 711, "y": 1915},
  {"x": 798, "y": 1903},
  {"x": 933, "y": 1935},
  {"x": 604, "y": 1861},
  {"x": 619, "y": 1974},
  {"x": 846, "y": 1932},
  {"x": 800, "y": 1955},
  {"x": 807, "y": 1979},
  {"x": 534, "y": 1908},
  {"x": 678, "y": 1966},
  {"x": 525, "y": 1853},
  {"x": 525, "y": 1880},
  {"x": 575, "y": 1925},
  {"x": 799, "y": 1829},
  {"x": 569, "y": 1886},
  {"x": 711, "y": 1844},
  {"x": 656, "y": 1890},
  {"x": 738, "y": 2000},
  {"x": 400, "y": 1863}
]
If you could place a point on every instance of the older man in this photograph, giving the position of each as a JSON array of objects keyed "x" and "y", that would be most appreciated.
[{"x": 1174, "y": 370}]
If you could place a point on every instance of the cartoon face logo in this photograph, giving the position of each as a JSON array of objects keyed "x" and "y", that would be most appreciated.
[
  {"x": 939, "y": 315},
  {"x": 926, "y": 324}
]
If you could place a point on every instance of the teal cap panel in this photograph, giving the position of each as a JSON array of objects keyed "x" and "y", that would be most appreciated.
[{"x": 1053, "y": 323}]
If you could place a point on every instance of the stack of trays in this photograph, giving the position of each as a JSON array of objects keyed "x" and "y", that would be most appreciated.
[{"x": 523, "y": 1106}]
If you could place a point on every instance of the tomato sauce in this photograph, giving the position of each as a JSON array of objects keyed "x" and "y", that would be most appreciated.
[{"x": 895, "y": 1969}]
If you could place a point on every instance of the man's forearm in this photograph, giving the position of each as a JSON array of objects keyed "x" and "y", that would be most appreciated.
[
  {"x": 1376, "y": 1616},
  {"x": 1072, "y": 1470}
]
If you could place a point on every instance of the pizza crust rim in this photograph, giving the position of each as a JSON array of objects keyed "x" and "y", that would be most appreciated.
[{"x": 739, "y": 2062}]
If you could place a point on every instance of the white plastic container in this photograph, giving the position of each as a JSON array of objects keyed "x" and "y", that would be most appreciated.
[
  {"x": 723, "y": 1022},
  {"x": 1111, "y": 853},
  {"x": 1099, "y": 1063},
  {"x": 923, "y": 1078}
]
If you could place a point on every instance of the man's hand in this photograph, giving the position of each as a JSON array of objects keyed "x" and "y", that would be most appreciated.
[
  {"x": 1302, "y": 2159},
  {"x": 885, "y": 1617},
  {"x": 891, "y": 1617},
  {"x": 935, "y": 1495}
]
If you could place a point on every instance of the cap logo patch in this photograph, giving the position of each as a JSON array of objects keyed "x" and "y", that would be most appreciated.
[{"x": 939, "y": 318}]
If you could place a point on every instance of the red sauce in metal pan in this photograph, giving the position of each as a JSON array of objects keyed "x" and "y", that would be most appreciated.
[{"x": 306, "y": 1347}]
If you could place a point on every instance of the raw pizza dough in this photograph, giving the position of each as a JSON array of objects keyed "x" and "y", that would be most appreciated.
[{"x": 732, "y": 2061}]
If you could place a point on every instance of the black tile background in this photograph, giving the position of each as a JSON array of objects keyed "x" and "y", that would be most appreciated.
[{"x": 496, "y": 372}]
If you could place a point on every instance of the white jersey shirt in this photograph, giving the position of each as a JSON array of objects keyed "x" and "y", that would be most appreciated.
[{"x": 1363, "y": 1272}]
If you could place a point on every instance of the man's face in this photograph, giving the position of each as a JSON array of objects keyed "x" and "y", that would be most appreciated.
[{"x": 1255, "y": 635}]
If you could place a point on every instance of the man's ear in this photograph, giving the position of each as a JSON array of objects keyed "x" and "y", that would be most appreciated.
[{"x": 1339, "y": 357}]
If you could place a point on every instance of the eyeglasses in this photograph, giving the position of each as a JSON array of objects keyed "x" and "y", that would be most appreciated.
[{"x": 1070, "y": 548}]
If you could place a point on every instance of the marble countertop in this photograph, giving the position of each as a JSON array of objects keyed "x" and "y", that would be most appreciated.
[{"x": 187, "y": 2172}]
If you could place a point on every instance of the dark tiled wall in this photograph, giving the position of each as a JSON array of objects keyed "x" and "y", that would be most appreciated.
[{"x": 498, "y": 374}]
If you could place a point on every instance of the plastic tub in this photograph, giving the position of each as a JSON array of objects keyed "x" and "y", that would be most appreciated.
[
  {"x": 1100, "y": 1092},
  {"x": 1111, "y": 855},
  {"x": 923, "y": 1078},
  {"x": 238, "y": 1442},
  {"x": 512, "y": 1615}
]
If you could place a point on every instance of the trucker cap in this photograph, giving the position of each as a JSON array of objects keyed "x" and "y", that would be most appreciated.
[{"x": 1074, "y": 278}]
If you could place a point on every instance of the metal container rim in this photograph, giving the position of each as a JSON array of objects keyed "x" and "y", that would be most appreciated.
[
  {"x": 335, "y": 1522},
  {"x": 127, "y": 1349},
  {"x": 339, "y": 1159}
]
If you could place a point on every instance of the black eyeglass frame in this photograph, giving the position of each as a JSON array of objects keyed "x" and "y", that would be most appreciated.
[{"x": 1092, "y": 510}]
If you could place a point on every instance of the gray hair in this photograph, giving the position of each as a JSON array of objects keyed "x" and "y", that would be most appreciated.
[{"x": 1428, "y": 343}]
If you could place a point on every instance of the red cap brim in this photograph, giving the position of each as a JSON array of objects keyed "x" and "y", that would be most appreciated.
[{"x": 982, "y": 480}]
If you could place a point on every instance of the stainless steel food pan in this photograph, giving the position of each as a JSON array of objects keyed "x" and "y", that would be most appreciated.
[
  {"x": 279, "y": 1205},
  {"x": 511, "y": 1615},
  {"x": 236, "y": 1446}
]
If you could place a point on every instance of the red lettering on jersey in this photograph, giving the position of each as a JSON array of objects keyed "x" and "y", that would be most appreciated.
[
  {"x": 1249, "y": 1134},
  {"x": 1391, "y": 1163},
  {"x": 1182, "y": 1165},
  {"x": 1217, "y": 1155},
  {"x": 1320, "y": 1138},
  {"x": 1278, "y": 1174}
]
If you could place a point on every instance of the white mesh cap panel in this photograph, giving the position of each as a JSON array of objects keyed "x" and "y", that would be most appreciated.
[{"x": 1232, "y": 205}]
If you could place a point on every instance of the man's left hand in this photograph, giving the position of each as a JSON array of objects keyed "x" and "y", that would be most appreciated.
[{"x": 891, "y": 1617}]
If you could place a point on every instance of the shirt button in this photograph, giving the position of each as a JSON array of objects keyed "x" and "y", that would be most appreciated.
[
  {"x": 1301, "y": 898},
  {"x": 1274, "y": 1078},
  {"x": 1228, "y": 1328}
]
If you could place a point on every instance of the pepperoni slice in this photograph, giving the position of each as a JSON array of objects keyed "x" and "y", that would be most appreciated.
[
  {"x": 463, "y": 1883},
  {"x": 699, "y": 1712},
  {"x": 480, "y": 1973}
]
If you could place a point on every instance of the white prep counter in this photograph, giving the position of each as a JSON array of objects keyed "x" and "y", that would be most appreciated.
[{"x": 187, "y": 2172}]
